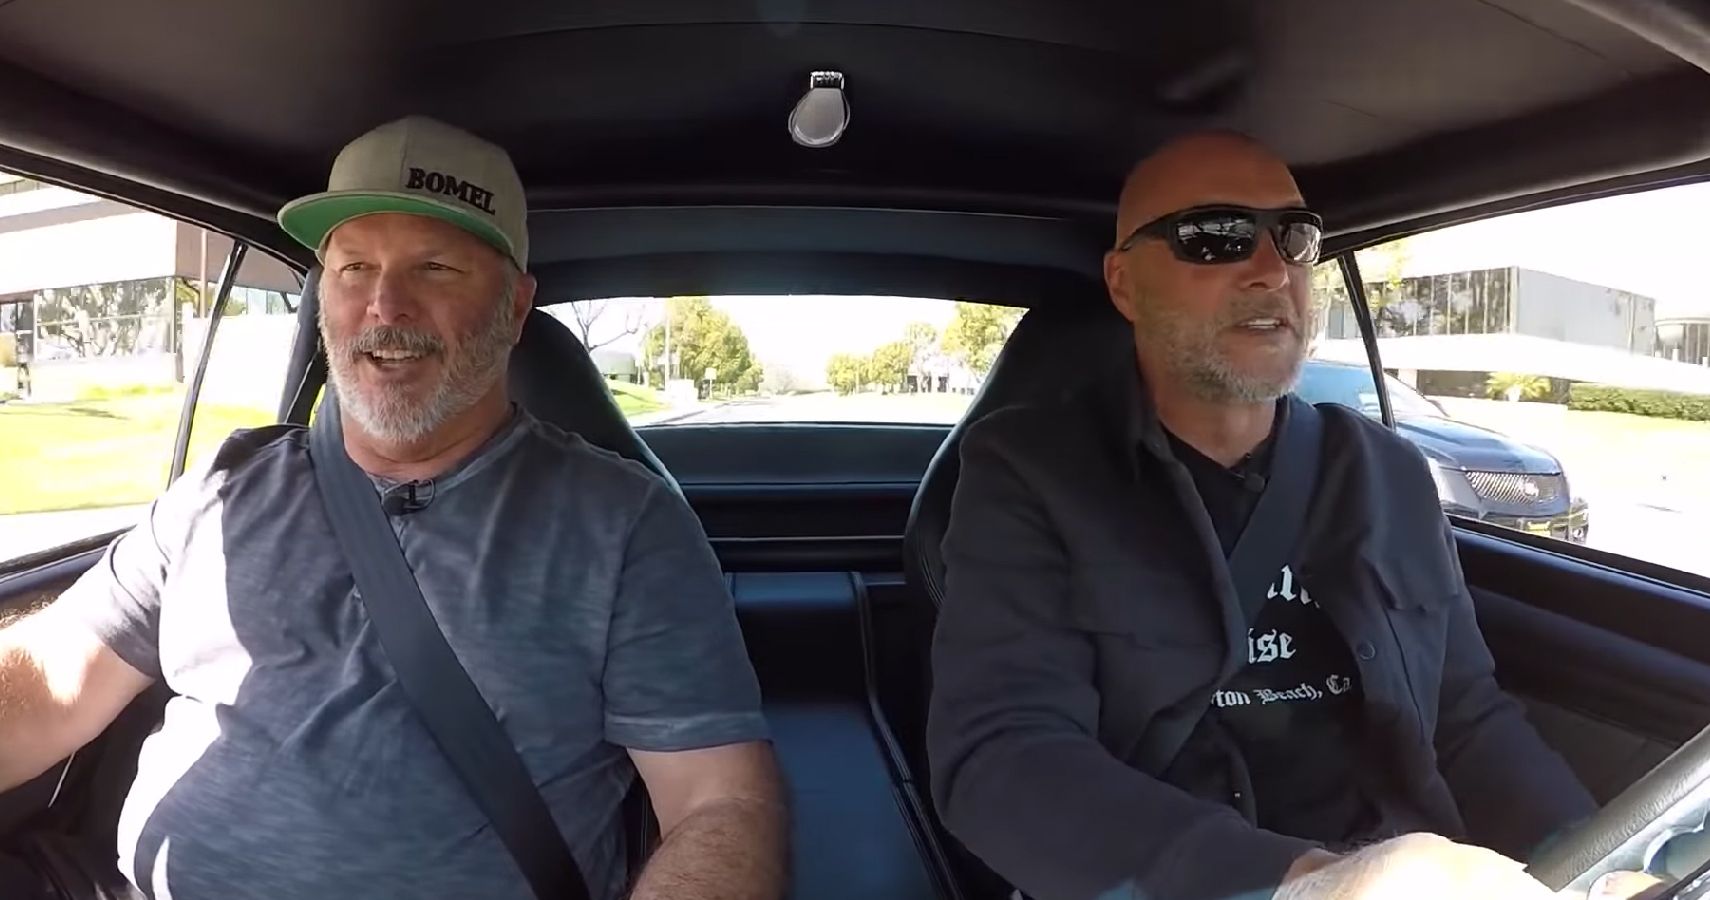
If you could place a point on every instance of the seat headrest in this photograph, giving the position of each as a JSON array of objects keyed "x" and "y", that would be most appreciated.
[
  {"x": 1052, "y": 352},
  {"x": 553, "y": 376}
]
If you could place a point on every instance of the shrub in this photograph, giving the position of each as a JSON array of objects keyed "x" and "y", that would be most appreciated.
[{"x": 1638, "y": 402}]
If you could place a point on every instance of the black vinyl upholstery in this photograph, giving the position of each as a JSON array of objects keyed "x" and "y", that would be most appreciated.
[
  {"x": 1052, "y": 351},
  {"x": 860, "y": 827},
  {"x": 553, "y": 376}
]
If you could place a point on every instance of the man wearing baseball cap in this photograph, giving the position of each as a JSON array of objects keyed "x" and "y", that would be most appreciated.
[{"x": 575, "y": 588}]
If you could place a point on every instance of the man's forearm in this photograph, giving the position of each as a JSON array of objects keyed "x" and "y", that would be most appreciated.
[
  {"x": 27, "y": 713},
  {"x": 59, "y": 686},
  {"x": 731, "y": 850}
]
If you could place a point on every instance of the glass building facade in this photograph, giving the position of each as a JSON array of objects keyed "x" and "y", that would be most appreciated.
[
  {"x": 1685, "y": 340},
  {"x": 1477, "y": 302}
]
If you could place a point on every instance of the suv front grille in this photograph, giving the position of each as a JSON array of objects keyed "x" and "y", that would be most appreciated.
[{"x": 1518, "y": 489}]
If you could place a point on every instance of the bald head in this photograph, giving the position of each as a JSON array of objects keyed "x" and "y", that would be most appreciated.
[{"x": 1200, "y": 169}]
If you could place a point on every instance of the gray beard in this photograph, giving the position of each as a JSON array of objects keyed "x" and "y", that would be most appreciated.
[
  {"x": 393, "y": 415},
  {"x": 1190, "y": 353},
  {"x": 1214, "y": 378}
]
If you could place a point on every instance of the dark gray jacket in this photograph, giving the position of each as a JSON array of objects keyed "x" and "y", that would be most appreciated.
[{"x": 1089, "y": 616}]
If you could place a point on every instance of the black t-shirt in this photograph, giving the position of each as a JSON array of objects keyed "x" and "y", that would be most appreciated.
[{"x": 1293, "y": 710}]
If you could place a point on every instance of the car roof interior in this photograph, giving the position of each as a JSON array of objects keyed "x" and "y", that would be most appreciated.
[{"x": 986, "y": 144}]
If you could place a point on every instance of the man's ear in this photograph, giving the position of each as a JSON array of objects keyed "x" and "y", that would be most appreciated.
[
  {"x": 522, "y": 299},
  {"x": 1116, "y": 283}
]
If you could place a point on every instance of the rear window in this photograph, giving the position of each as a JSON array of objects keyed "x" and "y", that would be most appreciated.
[{"x": 746, "y": 359}]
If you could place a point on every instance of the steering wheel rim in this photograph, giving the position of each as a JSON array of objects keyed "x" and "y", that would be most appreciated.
[{"x": 1669, "y": 800}]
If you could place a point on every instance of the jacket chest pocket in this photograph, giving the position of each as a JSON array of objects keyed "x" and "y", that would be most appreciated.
[
  {"x": 1149, "y": 610},
  {"x": 1415, "y": 599},
  {"x": 1158, "y": 638}
]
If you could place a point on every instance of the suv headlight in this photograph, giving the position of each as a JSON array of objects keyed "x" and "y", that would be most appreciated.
[{"x": 1453, "y": 489}]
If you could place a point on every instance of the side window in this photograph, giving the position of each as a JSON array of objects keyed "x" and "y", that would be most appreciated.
[
  {"x": 1556, "y": 370},
  {"x": 98, "y": 337},
  {"x": 697, "y": 360},
  {"x": 250, "y": 351}
]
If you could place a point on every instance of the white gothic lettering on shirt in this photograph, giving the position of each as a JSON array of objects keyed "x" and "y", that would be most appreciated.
[
  {"x": 1270, "y": 646},
  {"x": 1226, "y": 699},
  {"x": 1303, "y": 692},
  {"x": 1284, "y": 588}
]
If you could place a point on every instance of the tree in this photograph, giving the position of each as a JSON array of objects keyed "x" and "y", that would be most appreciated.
[
  {"x": 1517, "y": 386},
  {"x": 922, "y": 340},
  {"x": 977, "y": 332},
  {"x": 846, "y": 373},
  {"x": 888, "y": 367},
  {"x": 584, "y": 314},
  {"x": 703, "y": 338},
  {"x": 783, "y": 380}
]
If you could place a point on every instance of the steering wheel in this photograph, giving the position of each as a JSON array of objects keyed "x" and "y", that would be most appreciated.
[{"x": 1631, "y": 832}]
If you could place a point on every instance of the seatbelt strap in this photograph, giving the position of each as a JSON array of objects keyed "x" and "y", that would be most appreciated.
[
  {"x": 1266, "y": 544},
  {"x": 427, "y": 669},
  {"x": 1272, "y": 534}
]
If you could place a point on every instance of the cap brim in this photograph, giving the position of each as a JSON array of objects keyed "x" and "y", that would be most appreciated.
[{"x": 310, "y": 219}]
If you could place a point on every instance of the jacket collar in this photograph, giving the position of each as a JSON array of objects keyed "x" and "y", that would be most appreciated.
[{"x": 1129, "y": 404}]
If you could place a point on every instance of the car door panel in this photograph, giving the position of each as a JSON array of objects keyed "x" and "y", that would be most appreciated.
[{"x": 1605, "y": 660}]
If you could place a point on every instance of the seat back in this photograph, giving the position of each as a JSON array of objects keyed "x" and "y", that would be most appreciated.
[
  {"x": 554, "y": 377},
  {"x": 1053, "y": 351}
]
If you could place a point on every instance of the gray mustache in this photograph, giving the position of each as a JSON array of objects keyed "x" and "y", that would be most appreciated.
[{"x": 392, "y": 337}]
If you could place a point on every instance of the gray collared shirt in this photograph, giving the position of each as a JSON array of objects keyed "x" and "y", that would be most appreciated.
[{"x": 576, "y": 588}]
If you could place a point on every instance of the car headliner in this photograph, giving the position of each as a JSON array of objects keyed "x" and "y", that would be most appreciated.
[{"x": 986, "y": 144}]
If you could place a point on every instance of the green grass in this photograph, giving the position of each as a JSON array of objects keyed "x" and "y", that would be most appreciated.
[
  {"x": 634, "y": 399},
  {"x": 103, "y": 452},
  {"x": 122, "y": 391}
]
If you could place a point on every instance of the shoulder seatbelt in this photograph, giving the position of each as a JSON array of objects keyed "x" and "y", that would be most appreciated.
[
  {"x": 450, "y": 705},
  {"x": 1266, "y": 544},
  {"x": 1273, "y": 531}
]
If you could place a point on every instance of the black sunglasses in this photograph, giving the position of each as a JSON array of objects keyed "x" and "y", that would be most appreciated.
[{"x": 1215, "y": 235}]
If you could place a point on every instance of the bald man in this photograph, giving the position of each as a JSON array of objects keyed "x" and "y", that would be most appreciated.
[{"x": 1112, "y": 714}]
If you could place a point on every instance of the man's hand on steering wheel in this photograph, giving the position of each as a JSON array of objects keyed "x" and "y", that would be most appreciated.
[{"x": 1626, "y": 886}]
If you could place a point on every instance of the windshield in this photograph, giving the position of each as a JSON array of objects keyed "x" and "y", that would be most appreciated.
[{"x": 1352, "y": 386}]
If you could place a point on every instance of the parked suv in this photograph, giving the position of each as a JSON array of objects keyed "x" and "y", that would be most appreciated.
[{"x": 1480, "y": 474}]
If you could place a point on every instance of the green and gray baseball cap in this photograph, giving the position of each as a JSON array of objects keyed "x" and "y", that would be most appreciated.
[{"x": 423, "y": 167}]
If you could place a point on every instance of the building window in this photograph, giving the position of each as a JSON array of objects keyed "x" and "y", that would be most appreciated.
[
  {"x": 120, "y": 318},
  {"x": 1687, "y": 342}
]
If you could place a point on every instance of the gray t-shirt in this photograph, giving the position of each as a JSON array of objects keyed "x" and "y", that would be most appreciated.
[{"x": 576, "y": 588}]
